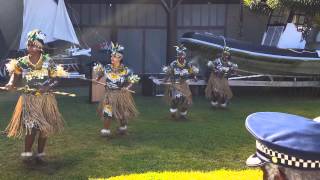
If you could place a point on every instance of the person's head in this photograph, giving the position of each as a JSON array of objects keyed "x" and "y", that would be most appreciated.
[
  {"x": 116, "y": 58},
  {"x": 35, "y": 42},
  {"x": 116, "y": 53},
  {"x": 226, "y": 54},
  {"x": 181, "y": 56}
]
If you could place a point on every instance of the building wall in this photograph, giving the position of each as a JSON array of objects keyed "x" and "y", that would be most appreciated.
[
  {"x": 254, "y": 25},
  {"x": 142, "y": 28},
  {"x": 202, "y": 18}
]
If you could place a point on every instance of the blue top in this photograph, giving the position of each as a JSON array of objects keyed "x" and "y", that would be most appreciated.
[
  {"x": 35, "y": 75},
  {"x": 116, "y": 78},
  {"x": 180, "y": 71},
  {"x": 222, "y": 68}
]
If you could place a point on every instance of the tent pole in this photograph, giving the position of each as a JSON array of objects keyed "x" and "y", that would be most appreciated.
[{"x": 171, "y": 10}]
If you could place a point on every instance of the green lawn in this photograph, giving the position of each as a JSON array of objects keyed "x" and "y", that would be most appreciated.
[{"x": 211, "y": 139}]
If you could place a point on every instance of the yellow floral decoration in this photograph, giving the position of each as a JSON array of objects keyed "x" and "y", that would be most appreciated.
[{"x": 59, "y": 72}]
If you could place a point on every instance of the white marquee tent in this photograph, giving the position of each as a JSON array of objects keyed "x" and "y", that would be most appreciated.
[{"x": 18, "y": 17}]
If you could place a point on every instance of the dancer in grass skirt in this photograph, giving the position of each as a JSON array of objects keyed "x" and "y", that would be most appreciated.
[
  {"x": 118, "y": 102},
  {"x": 218, "y": 90},
  {"x": 178, "y": 94},
  {"x": 36, "y": 111}
]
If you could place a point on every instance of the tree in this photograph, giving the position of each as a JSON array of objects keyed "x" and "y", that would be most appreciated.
[{"x": 310, "y": 8}]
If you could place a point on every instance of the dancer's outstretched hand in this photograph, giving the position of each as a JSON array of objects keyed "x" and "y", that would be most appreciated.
[
  {"x": 9, "y": 87},
  {"x": 195, "y": 79},
  {"x": 125, "y": 88}
]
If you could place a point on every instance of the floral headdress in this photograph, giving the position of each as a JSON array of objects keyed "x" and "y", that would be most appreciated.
[
  {"x": 181, "y": 50},
  {"x": 36, "y": 37},
  {"x": 116, "y": 49}
]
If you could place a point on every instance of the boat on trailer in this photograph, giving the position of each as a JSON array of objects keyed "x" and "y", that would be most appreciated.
[{"x": 257, "y": 59}]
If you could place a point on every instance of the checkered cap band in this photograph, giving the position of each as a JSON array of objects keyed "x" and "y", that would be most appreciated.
[{"x": 285, "y": 159}]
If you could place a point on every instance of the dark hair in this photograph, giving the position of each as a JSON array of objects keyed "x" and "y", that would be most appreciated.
[{"x": 41, "y": 41}]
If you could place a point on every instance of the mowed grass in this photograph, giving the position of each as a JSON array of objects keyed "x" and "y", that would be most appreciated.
[{"x": 209, "y": 140}]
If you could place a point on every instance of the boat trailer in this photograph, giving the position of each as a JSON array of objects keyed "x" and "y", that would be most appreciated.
[{"x": 251, "y": 79}]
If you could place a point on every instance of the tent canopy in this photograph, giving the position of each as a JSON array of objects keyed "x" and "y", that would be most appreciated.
[{"x": 18, "y": 17}]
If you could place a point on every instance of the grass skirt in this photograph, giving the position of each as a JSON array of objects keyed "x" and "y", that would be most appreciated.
[
  {"x": 35, "y": 111},
  {"x": 122, "y": 104},
  {"x": 218, "y": 87},
  {"x": 184, "y": 89}
]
